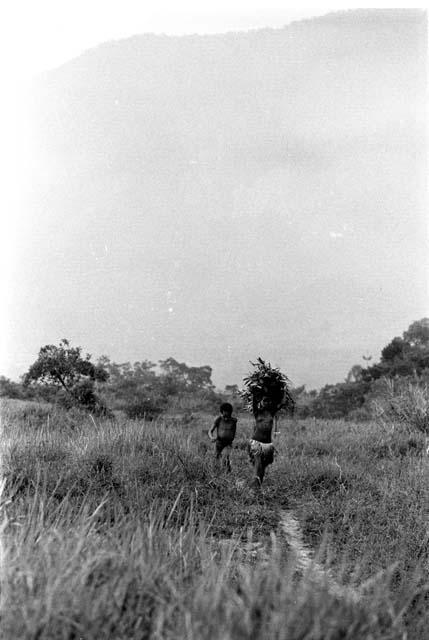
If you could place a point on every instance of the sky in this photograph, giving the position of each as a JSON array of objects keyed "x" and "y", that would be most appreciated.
[
  {"x": 36, "y": 37},
  {"x": 56, "y": 31},
  {"x": 41, "y": 36}
]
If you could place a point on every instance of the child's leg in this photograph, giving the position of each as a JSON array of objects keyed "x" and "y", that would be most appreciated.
[
  {"x": 259, "y": 468},
  {"x": 262, "y": 461},
  {"x": 227, "y": 458},
  {"x": 223, "y": 454}
]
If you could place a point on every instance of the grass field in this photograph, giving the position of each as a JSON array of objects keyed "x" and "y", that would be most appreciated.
[{"x": 128, "y": 530}]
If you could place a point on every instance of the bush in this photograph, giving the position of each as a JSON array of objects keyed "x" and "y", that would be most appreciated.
[
  {"x": 144, "y": 408},
  {"x": 83, "y": 397},
  {"x": 404, "y": 403}
]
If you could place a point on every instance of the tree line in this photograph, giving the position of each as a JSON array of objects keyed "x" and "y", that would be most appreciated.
[
  {"x": 404, "y": 360},
  {"x": 144, "y": 389}
]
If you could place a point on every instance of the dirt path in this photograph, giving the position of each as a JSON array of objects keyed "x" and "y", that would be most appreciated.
[{"x": 305, "y": 562}]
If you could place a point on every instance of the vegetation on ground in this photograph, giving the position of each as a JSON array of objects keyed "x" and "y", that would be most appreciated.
[
  {"x": 405, "y": 360},
  {"x": 116, "y": 521},
  {"x": 127, "y": 529}
]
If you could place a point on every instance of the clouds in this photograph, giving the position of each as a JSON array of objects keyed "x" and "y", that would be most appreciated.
[{"x": 261, "y": 185}]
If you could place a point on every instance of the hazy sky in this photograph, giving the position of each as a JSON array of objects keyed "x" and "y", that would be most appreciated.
[
  {"x": 41, "y": 35},
  {"x": 54, "y": 32},
  {"x": 37, "y": 36},
  {"x": 44, "y": 34}
]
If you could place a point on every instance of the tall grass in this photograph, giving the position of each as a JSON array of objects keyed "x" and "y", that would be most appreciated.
[
  {"x": 406, "y": 405},
  {"x": 125, "y": 530}
]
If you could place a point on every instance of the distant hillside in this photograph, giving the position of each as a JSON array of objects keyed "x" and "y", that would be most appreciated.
[{"x": 188, "y": 191}]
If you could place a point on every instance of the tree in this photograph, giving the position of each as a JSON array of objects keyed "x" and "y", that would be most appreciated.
[
  {"x": 142, "y": 372},
  {"x": 355, "y": 374},
  {"x": 395, "y": 349},
  {"x": 66, "y": 368},
  {"x": 232, "y": 390},
  {"x": 338, "y": 400},
  {"x": 134, "y": 388},
  {"x": 10, "y": 389},
  {"x": 417, "y": 334},
  {"x": 178, "y": 377},
  {"x": 406, "y": 356},
  {"x": 405, "y": 359}
]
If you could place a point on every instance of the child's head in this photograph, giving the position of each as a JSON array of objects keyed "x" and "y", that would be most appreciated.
[{"x": 226, "y": 409}]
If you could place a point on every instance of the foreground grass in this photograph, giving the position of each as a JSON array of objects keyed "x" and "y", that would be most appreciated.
[{"x": 128, "y": 530}]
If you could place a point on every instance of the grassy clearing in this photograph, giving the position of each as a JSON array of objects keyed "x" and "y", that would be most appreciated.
[{"x": 120, "y": 529}]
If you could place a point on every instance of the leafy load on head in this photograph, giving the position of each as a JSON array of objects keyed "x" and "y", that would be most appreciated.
[{"x": 269, "y": 383}]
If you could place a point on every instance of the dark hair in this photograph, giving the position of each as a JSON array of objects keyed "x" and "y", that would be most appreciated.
[{"x": 225, "y": 406}]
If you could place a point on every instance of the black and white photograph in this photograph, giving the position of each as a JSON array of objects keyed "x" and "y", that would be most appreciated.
[{"x": 214, "y": 345}]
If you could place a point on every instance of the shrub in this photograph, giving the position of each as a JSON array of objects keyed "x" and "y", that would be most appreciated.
[
  {"x": 404, "y": 403},
  {"x": 144, "y": 408}
]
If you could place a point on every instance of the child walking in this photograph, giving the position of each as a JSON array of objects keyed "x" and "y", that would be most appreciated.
[
  {"x": 261, "y": 448},
  {"x": 223, "y": 434},
  {"x": 266, "y": 391}
]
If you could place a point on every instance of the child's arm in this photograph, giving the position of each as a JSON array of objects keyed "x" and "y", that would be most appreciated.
[
  {"x": 213, "y": 429},
  {"x": 276, "y": 426}
]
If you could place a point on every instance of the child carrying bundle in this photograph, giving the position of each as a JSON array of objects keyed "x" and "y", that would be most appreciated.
[{"x": 266, "y": 392}]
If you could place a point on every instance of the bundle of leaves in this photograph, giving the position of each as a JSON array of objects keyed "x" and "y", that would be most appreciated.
[{"x": 270, "y": 384}]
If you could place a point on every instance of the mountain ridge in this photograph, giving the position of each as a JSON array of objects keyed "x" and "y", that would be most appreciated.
[
  {"x": 413, "y": 16},
  {"x": 210, "y": 172}
]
